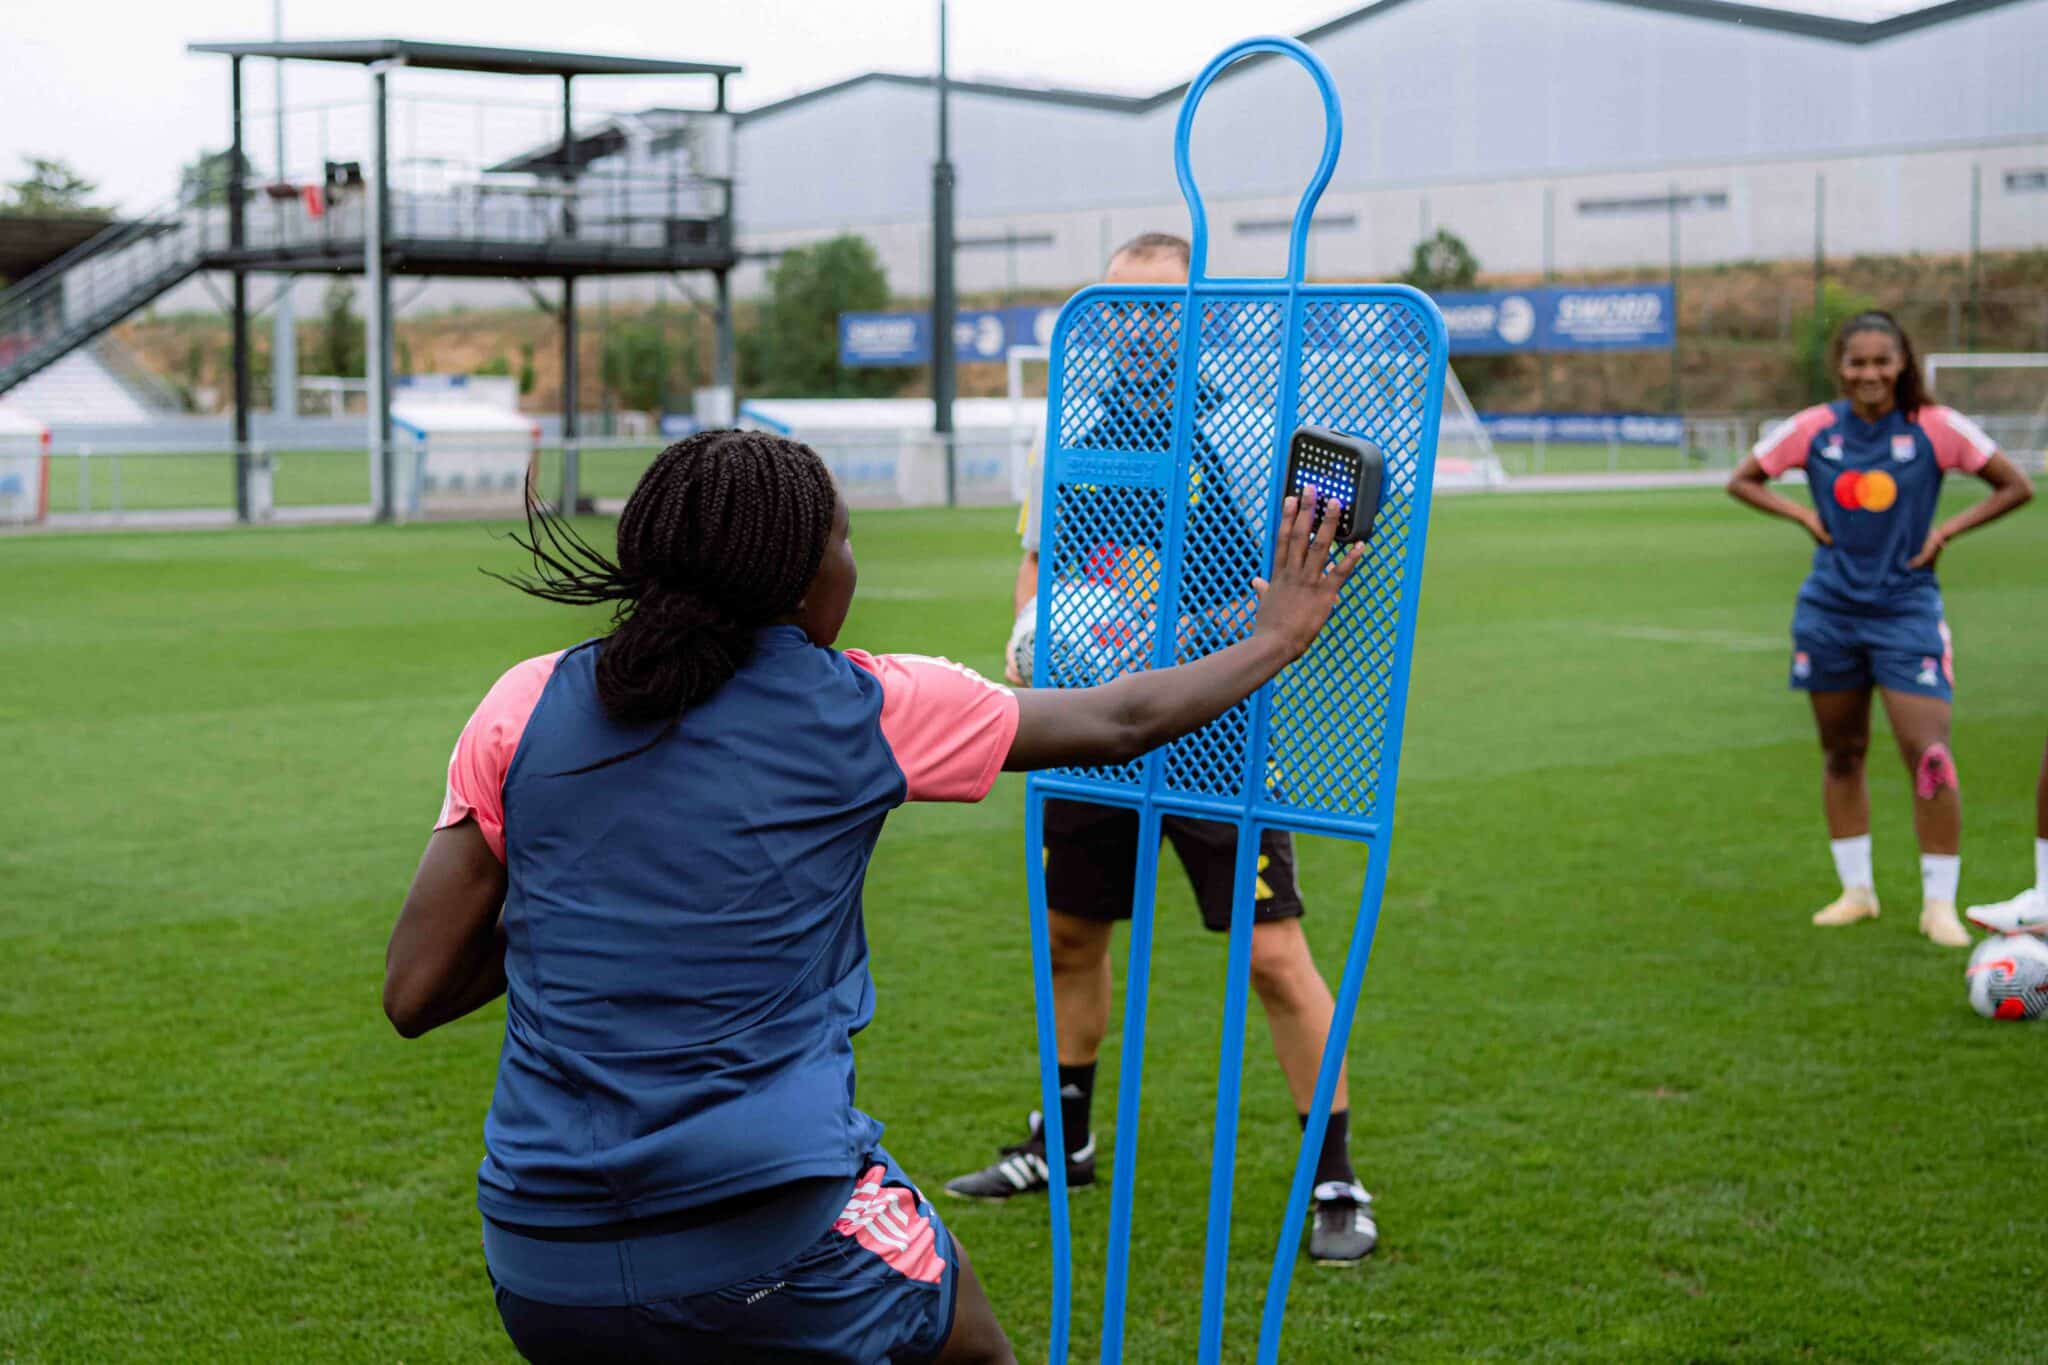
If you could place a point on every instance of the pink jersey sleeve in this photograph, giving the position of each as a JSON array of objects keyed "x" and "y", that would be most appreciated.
[
  {"x": 949, "y": 727},
  {"x": 1785, "y": 445},
  {"x": 1959, "y": 443},
  {"x": 476, "y": 770}
]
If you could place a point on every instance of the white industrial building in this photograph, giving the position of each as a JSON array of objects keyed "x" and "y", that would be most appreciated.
[{"x": 1555, "y": 132}]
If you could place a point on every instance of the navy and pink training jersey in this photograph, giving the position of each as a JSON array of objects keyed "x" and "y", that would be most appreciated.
[
  {"x": 686, "y": 959},
  {"x": 1876, "y": 487}
]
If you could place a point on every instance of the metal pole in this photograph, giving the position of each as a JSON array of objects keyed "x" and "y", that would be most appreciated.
[
  {"x": 723, "y": 375},
  {"x": 284, "y": 337},
  {"x": 568, "y": 162},
  {"x": 1675, "y": 393},
  {"x": 607, "y": 396},
  {"x": 376, "y": 268},
  {"x": 570, "y": 401},
  {"x": 1820, "y": 270},
  {"x": 571, "y": 455},
  {"x": 237, "y": 237},
  {"x": 943, "y": 303},
  {"x": 1976, "y": 242},
  {"x": 1549, "y": 276},
  {"x": 664, "y": 389}
]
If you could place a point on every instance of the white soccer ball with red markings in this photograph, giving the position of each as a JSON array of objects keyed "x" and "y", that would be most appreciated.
[
  {"x": 2008, "y": 977},
  {"x": 1097, "y": 633},
  {"x": 1023, "y": 639}
]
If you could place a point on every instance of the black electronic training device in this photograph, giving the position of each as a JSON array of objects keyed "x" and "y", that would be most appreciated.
[{"x": 1344, "y": 468}]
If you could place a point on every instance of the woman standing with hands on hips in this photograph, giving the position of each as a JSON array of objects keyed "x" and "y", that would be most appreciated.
[
  {"x": 654, "y": 843},
  {"x": 1869, "y": 614}
]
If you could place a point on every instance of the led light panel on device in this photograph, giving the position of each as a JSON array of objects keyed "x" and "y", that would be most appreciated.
[{"x": 1342, "y": 468}]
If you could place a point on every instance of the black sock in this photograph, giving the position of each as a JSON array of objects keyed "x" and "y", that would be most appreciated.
[
  {"x": 1335, "y": 1161},
  {"x": 1077, "y": 1092}
]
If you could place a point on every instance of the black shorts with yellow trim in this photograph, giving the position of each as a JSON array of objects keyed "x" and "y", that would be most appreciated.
[{"x": 1091, "y": 864}]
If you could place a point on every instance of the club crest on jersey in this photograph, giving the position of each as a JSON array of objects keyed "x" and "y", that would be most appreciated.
[
  {"x": 1802, "y": 666},
  {"x": 1904, "y": 448},
  {"x": 1833, "y": 449},
  {"x": 1928, "y": 677}
]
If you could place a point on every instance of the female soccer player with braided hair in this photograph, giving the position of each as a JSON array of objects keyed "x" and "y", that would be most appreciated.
[
  {"x": 653, "y": 844},
  {"x": 1870, "y": 612}
]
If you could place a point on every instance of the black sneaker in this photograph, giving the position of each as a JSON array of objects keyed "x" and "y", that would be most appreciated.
[
  {"x": 1343, "y": 1231},
  {"x": 1022, "y": 1170}
]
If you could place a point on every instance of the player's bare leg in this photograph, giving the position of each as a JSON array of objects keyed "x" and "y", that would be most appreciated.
[
  {"x": 1843, "y": 719},
  {"x": 1921, "y": 726},
  {"x": 1081, "y": 991},
  {"x": 1081, "y": 988},
  {"x": 1299, "y": 1010},
  {"x": 976, "y": 1339}
]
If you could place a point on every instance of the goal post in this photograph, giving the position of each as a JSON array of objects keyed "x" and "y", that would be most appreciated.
[
  {"x": 1025, "y": 370},
  {"x": 2004, "y": 392},
  {"x": 1465, "y": 456}
]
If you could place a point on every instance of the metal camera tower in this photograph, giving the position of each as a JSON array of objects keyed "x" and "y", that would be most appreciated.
[{"x": 544, "y": 216}]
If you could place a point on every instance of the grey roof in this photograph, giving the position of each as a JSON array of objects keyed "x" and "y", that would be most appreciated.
[
  {"x": 503, "y": 61},
  {"x": 1859, "y": 31},
  {"x": 1827, "y": 28},
  {"x": 1083, "y": 99}
]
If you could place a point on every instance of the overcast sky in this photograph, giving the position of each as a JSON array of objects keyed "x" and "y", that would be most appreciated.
[{"x": 108, "y": 86}]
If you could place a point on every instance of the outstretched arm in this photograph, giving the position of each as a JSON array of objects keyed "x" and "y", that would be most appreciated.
[
  {"x": 2010, "y": 489},
  {"x": 1751, "y": 483},
  {"x": 1138, "y": 712}
]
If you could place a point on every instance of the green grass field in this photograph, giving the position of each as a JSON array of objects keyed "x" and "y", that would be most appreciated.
[
  {"x": 1618, "y": 1100},
  {"x": 1579, "y": 457},
  {"x": 108, "y": 481},
  {"x": 151, "y": 481},
  {"x": 155, "y": 481}
]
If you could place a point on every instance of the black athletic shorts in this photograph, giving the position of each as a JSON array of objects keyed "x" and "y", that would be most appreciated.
[{"x": 1091, "y": 864}]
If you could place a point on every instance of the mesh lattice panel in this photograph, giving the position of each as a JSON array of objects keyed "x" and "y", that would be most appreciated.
[
  {"x": 1161, "y": 499},
  {"x": 1170, "y": 413},
  {"x": 1365, "y": 370}
]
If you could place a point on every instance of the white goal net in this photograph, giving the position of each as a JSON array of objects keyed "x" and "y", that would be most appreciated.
[{"x": 2006, "y": 393}]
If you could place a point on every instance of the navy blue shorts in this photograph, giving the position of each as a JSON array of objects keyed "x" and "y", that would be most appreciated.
[
  {"x": 1838, "y": 652},
  {"x": 878, "y": 1285}
]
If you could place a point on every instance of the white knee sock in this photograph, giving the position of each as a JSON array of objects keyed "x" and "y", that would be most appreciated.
[
  {"x": 1939, "y": 874},
  {"x": 2041, "y": 868},
  {"x": 1852, "y": 861}
]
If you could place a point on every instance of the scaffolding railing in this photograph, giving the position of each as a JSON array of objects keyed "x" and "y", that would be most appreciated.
[{"x": 91, "y": 288}]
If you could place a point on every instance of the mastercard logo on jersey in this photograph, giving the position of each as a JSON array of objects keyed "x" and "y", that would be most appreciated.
[{"x": 1870, "y": 490}]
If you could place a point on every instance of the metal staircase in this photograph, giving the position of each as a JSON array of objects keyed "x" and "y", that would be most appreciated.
[{"x": 81, "y": 294}]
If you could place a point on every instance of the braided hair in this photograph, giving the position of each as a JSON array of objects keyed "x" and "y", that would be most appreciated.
[
  {"x": 722, "y": 535},
  {"x": 1910, "y": 393}
]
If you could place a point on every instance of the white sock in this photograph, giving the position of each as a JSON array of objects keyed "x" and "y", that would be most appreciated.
[
  {"x": 2041, "y": 869},
  {"x": 1852, "y": 861},
  {"x": 1939, "y": 874}
]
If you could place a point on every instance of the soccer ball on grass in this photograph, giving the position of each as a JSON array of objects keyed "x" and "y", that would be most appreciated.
[{"x": 2008, "y": 977}]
